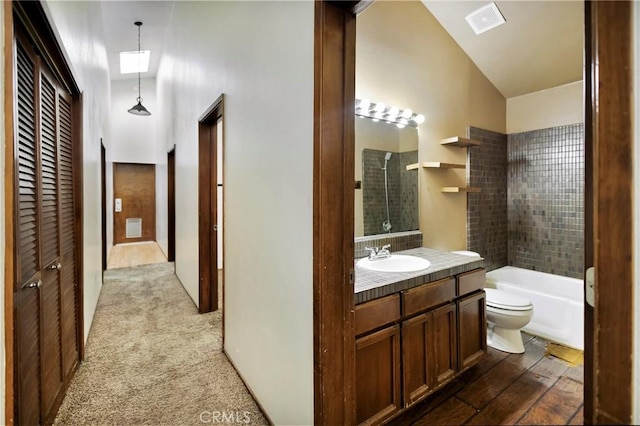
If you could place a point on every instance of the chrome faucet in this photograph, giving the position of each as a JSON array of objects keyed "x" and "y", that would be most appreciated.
[{"x": 379, "y": 253}]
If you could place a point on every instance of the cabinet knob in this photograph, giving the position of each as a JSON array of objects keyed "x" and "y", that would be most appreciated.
[
  {"x": 34, "y": 284},
  {"x": 56, "y": 266}
]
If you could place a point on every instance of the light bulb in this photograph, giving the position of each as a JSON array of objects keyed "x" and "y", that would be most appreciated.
[
  {"x": 393, "y": 112},
  {"x": 380, "y": 106},
  {"x": 400, "y": 126},
  {"x": 419, "y": 119},
  {"x": 364, "y": 104},
  {"x": 407, "y": 113}
]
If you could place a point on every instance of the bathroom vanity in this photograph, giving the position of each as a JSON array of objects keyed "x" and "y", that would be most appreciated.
[{"x": 415, "y": 332}]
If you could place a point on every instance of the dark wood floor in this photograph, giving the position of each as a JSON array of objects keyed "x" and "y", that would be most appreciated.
[{"x": 529, "y": 388}]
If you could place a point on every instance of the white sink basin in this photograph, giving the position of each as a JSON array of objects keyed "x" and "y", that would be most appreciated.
[{"x": 395, "y": 263}]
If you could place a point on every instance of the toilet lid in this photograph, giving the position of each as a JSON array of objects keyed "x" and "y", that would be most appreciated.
[{"x": 504, "y": 300}]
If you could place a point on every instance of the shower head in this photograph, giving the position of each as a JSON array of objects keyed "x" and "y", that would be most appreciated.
[{"x": 387, "y": 156}]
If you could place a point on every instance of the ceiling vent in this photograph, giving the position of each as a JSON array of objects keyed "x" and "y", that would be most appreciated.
[{"x": 485, "y": 18}]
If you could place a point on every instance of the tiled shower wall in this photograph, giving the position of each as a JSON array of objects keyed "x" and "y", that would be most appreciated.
[
  {"x": 546, "y": 200},
  {"x": 530, "y": 211},
  {"x": 403, "y": 191},
  {"x": 487, "y": 210}
]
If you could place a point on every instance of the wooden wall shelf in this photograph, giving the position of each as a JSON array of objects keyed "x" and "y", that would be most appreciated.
[
  {"x": 460, "y": 142},
  {"x": 436, "y": 165},
  {"x": 459, "y": 189}
]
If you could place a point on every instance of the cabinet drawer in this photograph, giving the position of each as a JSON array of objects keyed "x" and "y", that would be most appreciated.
[
  {"x": 428, "y": 295},
  {"x": 379, "y": 312},
  {"x": 471, "y": 281}
]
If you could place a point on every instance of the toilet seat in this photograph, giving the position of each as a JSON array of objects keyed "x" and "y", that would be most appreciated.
[{"x": 503, "y": 300}]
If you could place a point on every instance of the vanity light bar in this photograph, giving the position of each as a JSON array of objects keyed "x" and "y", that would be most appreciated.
[{"x": 378, "y": 111}]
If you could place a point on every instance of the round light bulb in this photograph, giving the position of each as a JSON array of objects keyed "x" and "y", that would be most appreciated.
[
  {"x": 407, "y": 113},
  {"x": 380, "y": 106},
  {"x": 419, "y": 119}
]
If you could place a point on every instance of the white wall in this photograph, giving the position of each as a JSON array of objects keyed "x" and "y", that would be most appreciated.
[
  {"x": 78, "y": 28},
  {"x": 162, "y": 213},
  {"x": 260, "y": 55},
  {"x": 553, "y": 107},
  {"x": 133, "y": 137}
]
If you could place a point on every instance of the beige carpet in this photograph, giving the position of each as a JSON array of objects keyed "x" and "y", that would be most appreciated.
[{"x": 152, "y": 359}]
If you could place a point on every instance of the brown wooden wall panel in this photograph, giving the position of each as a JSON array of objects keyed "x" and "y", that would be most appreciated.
[{"x": 135, "y": 184}]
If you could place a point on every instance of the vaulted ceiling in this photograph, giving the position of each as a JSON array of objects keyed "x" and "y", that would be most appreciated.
[{"x": 540, "y": 46}]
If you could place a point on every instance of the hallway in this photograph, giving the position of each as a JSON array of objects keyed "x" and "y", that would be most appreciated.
[{"x": 152, "y": 359}]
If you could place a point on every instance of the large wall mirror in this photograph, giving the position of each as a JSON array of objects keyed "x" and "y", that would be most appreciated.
[{"x": 387, "y": 200}]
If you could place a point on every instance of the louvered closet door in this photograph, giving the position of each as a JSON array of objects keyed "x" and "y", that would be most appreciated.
[
  {"x": 27, "y": 293},
  {"x": 46, "y": 297},
  {"x": 70, "y": 344},
  {"x": 52, "y": 379}
]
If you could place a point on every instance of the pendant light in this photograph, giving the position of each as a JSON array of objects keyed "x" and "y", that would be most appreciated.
[{"x": 138, "y": 109}]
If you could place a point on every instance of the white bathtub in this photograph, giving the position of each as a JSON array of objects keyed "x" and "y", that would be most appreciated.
[{"x": 558, "y": 307}]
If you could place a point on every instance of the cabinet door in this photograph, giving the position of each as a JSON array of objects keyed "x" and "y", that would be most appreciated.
[
  {"x": 378, "y": 375},
  {"x": 472, "y": 329},
  {"x": 445, "y": 348},
  {"x": 417, "y": 357}
]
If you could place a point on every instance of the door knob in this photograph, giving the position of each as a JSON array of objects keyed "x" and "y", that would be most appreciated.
[
  {"x": 55, "y": 266},
  {"x": 35, "y": 284}
]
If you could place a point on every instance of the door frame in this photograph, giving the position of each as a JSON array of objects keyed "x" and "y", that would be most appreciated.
[
  {"x": 103, "y": 202},
  {"x": 208, "y": 206},
  {"x": 609, "y": 211},
  {"x": 171, "y": 204},
  {"x": 333, "y": 244},
  {"x": 33, "y": 17}
]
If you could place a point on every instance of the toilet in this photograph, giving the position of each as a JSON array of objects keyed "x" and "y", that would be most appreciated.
[{"x": 506, "y": 314}]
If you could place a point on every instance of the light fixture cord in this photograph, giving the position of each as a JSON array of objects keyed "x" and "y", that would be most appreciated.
[{"x": 139, "y": 25}]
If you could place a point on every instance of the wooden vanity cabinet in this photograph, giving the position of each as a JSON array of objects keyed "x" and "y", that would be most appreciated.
[
  {"x": 429, "y": 352},
  {"x": 413, "y": 342},
  {"x": 378, "y": 392},
  {"x": 472, "y": 320},
  {"x": 472, "y": 331}
]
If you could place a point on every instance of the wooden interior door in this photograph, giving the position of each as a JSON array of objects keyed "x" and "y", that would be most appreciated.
[
  {"x": 103, "y": 202},
  {"x": 135, "y": 186},
  {"x": 171, "y": 200},
  {"x": 28, "y": 271},
  {"x": 46, "y": 289},
  {"x": 208, "y": 206}
]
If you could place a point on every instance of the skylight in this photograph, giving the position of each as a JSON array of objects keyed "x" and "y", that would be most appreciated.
[{"x": 135, "y": 61}]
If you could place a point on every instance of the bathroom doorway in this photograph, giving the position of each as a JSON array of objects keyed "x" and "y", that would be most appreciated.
[{"x": 334, "y": 76}]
